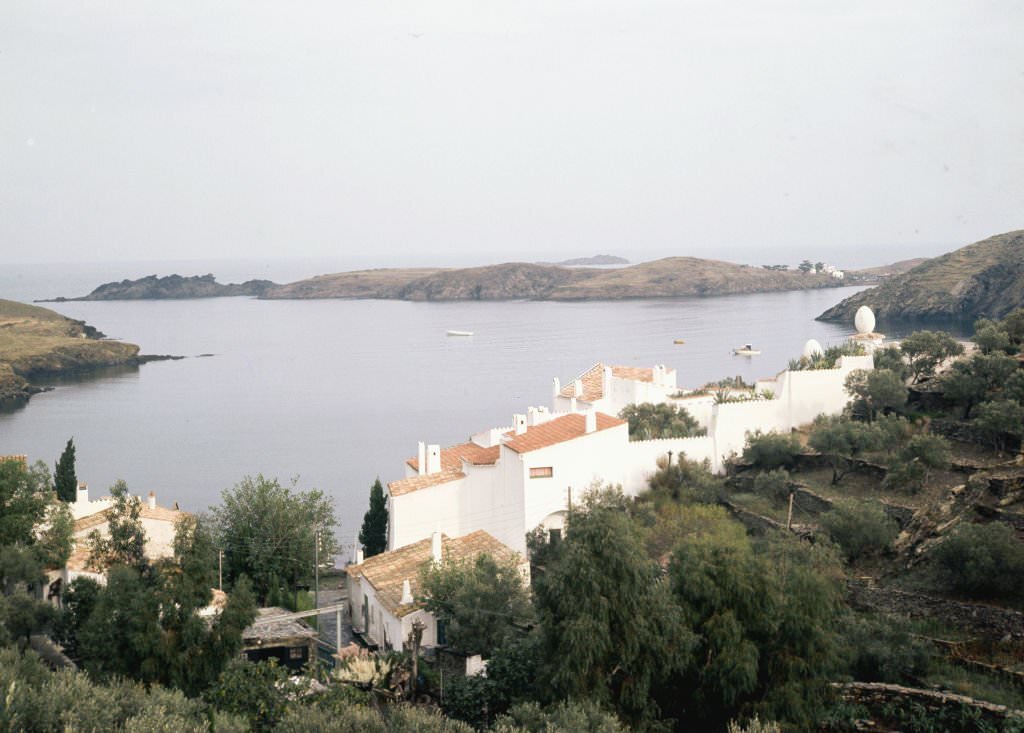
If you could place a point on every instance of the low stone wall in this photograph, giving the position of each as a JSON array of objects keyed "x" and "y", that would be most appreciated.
[
  {"x": 990, "y": 622},
  {"x": 878, "y": 696},
  {"x": 809, "y": 501}
]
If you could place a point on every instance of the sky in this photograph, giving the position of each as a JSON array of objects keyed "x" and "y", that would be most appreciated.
[{"x": 399, "y": 132}]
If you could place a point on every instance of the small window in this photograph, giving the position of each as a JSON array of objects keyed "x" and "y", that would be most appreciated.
[
  {"x": 295, "y": 652},
  {"x": 542, "y": 472},
  {"x": 554, "y": 536}
]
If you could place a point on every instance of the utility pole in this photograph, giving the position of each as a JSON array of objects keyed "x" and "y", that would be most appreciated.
[
  {"x": 789, "y": 515},
  {"x": 316, "y": 571},
  {"x": 417, "y": 635},
  {"x": 220, "y": 569}
]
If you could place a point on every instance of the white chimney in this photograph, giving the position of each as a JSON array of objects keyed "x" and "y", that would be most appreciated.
[
  {"x": 359, "y": 556},
  {"x": 531, "y": 416},
  {"x": 421, "y": 466},
  {"x": 152, "y": 500},
  {"x": 577, "y": 388},
  {"x": 406, "y": 592},
  {"x": 556, "y": 388},
  {"x": 435, "y": 546},
  {"x": 356, "y": 549},
  {"x": 519, "y": 424},
  {"x": 572, "y": 405},
  {"x": 83, "y": 493},
  {"x": 590, "y": 421},
  {"x": 606, "y": 381},
  {"x": 433, "y": 459}
]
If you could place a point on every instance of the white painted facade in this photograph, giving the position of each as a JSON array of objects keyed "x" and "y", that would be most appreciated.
[{"x": 511, "y": 492}]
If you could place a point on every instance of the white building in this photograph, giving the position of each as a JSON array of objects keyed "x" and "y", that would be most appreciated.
[
  {"x": 510, "y": 480},
  {"x": 159, "y": 524},
  {"x": 609, "y": 389},
  {"x": 382, "y": 590}
]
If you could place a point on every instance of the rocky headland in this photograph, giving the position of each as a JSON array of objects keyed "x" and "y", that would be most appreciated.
[
  {"x": 172, "y": 287},
  {"x": 37, "y": 344},
  {"x": 984, "y": 279}
]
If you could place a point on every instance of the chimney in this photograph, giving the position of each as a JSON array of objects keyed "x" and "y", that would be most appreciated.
[
  {"x": 83, "y": 493},
  {"x": 406, "y": 592},
  {"x": 519, "y": 424},
  {"x": 572, "y": 405},
  {"x": 531, "y": 416},
  {"x": 433, "y": 459},
  {"x": 152, "y": 500},
  {"x": 556, "y": 387},
  {"x": 606, "y": 381},
  {"x": 359, "y": 556},
  {"x": 435, "y": 546},
  {"x": 421, "y": 466},
  {"x": 356, "y": 548},
  {"x": 577, "y": 388},
  {"x": 590, "y": 421}
]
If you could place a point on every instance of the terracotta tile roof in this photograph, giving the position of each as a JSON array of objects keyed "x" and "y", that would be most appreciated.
[
  {"x": 269, "y": 628},
  {"x": 593, "y": 380},
  {"x": 159, "y": 513},
  {"x": 387, "y": 572},
  {"x": 558, "y": 430},
  {"x": 415, "y": 483},
  {"x": 452, "y": 457}
]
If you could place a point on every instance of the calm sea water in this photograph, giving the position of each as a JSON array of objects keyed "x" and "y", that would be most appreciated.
[{"x": 334, "y": 393}]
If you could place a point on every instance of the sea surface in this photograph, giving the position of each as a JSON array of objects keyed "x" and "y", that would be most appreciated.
[{"x": 334, "y": 393}]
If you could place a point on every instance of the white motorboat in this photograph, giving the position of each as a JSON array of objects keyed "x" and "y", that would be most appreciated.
[
  {"x": 460, "y": 333},
  {"x": 746, "y": 350}
]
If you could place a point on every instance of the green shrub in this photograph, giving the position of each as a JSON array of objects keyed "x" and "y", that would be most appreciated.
[
  {"x": 860, "y": 528},
  {"x": 768, "y": 451},
  {"x": 984, "y": 561},
  {"x": 773, "y": 484}
]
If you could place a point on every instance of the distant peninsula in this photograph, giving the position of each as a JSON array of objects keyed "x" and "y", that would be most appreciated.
[
  {"x": 672, "y": 277},
  {"x": 984, "y": 279},
  {"x": 595, "y": 261},
  {"x": 37, "y": 343},
  {"x": 171, "y": 287}
]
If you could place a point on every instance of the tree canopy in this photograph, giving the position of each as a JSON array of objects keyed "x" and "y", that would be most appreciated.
[
  {"x": 926, "y": 350},
  {"x": 268, "y": 533},
  {"x": 647, "y": 421},
  {"x": 64, "y": 478},
  {"x": 374, "y": 533}
]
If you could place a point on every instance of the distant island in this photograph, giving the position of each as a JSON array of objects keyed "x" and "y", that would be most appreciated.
[
  {"x": 595, "y": 261},
  {"x": 672, "y": 277},
  {"x": 171, "y": 287},
  {"x": 984, "y": 279},
  {"x": 37, "y": 343}
]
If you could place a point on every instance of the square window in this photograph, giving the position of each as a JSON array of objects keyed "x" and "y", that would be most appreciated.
[{"x": 295, "y": 652}]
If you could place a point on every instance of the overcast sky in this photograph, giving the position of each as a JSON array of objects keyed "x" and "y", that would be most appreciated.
[{"x": 527, "y": 129}]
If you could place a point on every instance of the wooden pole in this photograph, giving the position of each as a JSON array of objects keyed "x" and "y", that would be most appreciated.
[{"x": 789, "y": 515}]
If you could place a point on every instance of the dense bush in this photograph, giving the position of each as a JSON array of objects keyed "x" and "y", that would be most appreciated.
[
  {"x": 860, "y": 528},
  {"x": 648, "y": 421},
  {"x": 774, "y": 485},
  {"x": 768, "y": 451},
  {"x": 984, "y": 561}
]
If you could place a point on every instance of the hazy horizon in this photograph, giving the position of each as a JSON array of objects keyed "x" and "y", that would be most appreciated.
[{"x": 478, "y": 132}]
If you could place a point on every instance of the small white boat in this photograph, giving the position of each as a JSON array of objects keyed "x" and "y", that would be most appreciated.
[
  {"x": 460, "y": 333},
  {"x": 746, "y": 350}
]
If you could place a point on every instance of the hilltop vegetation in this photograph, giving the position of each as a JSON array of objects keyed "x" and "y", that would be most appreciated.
[
  {"x": 36, "y": 342},
  {"x": 984, "y": 279},
  {"x": 666, "y": 278}
]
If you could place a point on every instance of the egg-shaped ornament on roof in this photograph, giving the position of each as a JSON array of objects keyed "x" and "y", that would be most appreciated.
[
  {"x": 864, "y": 320},
  {"x": 812, "y": 349}
]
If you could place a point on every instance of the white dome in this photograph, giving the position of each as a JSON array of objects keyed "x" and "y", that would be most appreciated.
[
  {"x": 812, "y": 349},
  {"x": 864, "y": 320}
]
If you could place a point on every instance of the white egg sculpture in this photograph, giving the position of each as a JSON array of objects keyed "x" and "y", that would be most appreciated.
[
  {"x": 864, "y": 320},
  {"x": 812, "y": 349}
]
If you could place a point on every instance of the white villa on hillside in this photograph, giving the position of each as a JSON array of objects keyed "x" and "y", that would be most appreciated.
[
  {"x": 382, "y": 590},
  {"x": 508, "y": 481}
]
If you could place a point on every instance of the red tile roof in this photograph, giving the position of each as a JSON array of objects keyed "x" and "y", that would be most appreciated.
[
  {"x": 388, "y": 571},
  {"x": 558, "y": 430},
  {"x": 452, "y": 457},
  {"x": 415, "y": 483},
  {"x": 593, "y": 380}
]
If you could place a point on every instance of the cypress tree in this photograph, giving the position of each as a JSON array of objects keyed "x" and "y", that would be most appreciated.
[
  {"x": 64, "y": 478},
  {"x": 374, "y": 534}
]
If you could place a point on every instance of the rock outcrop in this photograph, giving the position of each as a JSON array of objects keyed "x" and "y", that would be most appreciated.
[{"x": 173, "y": 287}]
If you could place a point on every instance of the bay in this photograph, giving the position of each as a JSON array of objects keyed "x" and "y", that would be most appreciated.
[{"x": 334, "y": 393}]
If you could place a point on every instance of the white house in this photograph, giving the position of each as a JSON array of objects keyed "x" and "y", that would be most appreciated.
[
  {"x": 158, "y": 523},
  {"x": 608, "y": 389},
  {"x": 510, "y": 480},
  {"x": 382, "y": 590}
]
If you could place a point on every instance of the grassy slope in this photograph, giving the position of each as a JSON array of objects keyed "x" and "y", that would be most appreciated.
[
  {"x": 982, "y": 279},
  {"x": 36, "y": 341}
]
